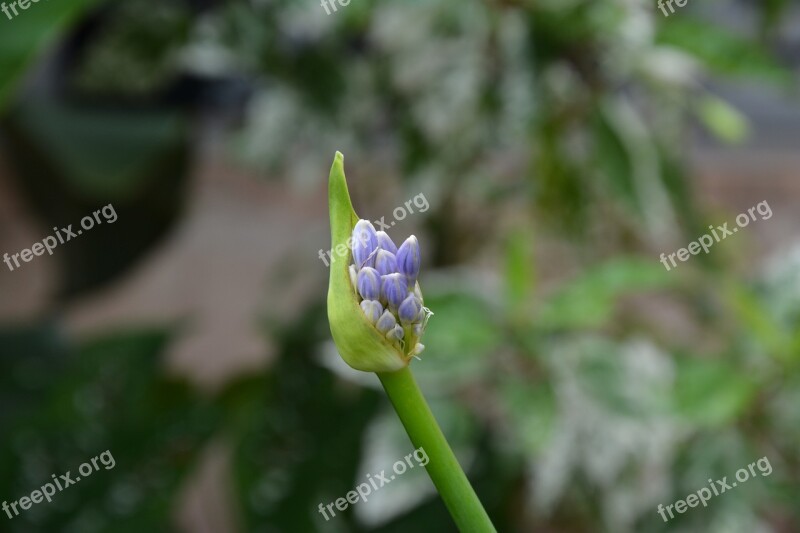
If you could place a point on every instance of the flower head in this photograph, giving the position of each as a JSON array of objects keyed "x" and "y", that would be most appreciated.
[{"x": 375, "y": 305}]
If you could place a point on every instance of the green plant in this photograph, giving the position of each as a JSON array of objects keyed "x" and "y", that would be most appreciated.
[{"x": 365, "y": 347}]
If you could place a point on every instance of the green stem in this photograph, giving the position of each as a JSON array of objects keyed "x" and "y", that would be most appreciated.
[{"x": 443, "y": 468}]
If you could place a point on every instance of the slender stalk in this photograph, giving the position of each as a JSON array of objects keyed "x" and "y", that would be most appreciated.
[{"x": 443, "y": 468}]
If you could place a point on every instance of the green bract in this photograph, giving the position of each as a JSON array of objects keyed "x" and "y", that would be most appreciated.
[{"x": 359, "y": 343}]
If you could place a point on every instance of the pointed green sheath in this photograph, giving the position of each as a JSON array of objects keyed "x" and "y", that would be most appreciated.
[{"x": 359, "y": 343}]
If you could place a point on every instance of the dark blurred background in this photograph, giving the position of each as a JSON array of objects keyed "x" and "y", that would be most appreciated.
[{"x": 562, "y": 147}]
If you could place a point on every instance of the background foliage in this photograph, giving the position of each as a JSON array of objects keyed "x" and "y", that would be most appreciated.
[{"x": 524, "y": 123}]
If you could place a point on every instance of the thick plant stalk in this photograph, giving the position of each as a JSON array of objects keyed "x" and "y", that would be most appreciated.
[{"x": 443, "y": 468}]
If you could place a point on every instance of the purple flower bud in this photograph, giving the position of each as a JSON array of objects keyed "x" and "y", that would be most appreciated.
[
  {"x": 365, "y": 242},
  {"x": 395, "y": 333},
  {"x": 385, "y": 262},
  {"x": 394, "y": 289},
  {"x": 369, "y": 283},
  {"x": 409, "y": 310},
  {"x": 386, "y": 242},
  {"x": 386, "y": 322},
  {"x": 372, "y": 309},
  {"x": 408, "y": 259}
]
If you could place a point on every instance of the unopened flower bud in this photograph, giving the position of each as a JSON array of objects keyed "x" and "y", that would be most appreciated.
[
  {"x": 367, "y": 333},
  {"x": 408, "y": 259},
  {"x": 396, "y": 333},
  {"x": 385, "y": 262},
  {"x": 372, "y": 309},
  {"x": 409, "y": 310},
  {"x": 394, "y": 289},
  {"x": 365, "y": 242},
  {"x": 418, "y": 349},
  {"x": 386, "y": 322},
  {"x": 369, "y": 283},
  {"x": 386, "y": 242}
]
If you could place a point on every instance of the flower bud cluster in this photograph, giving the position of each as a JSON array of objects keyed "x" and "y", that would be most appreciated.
[{"x": 385, "y": 279}]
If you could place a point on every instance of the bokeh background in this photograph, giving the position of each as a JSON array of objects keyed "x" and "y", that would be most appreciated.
[{"x": 562, "y": 147}]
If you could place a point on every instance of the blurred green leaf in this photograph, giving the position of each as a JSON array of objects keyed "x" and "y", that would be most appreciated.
[
  {"x": 588, "y": 300},
  {"x": 711, "y": 392},
  {"x": 532, "y": 409},
  {"x": 459, "y": 341},
  {"x": 520, "y": 271},
  {"x": 25, "y": 36},
  {"x": 721, "y": 50},
  {"x": 613, "y": 159},
  {"x": 759, "y": 321},
  {"x": 772, "y": 12},
  {"x": 723, "y": 120}
]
